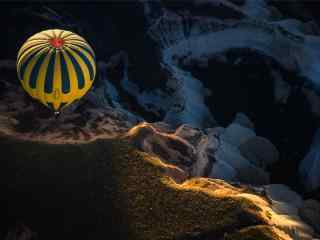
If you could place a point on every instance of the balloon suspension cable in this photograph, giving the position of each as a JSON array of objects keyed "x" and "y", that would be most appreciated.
[{"x": 56, "y": 114}]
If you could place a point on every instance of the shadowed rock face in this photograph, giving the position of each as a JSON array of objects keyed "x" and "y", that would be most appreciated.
[
  {"x": 107, "y": 188},
  {"x": 254, "y": 90},
  {"x": 194, "y": 67},
  {"x": 242, "y": 66},
  {"x": 231, "y": 154},
  {"x": 173, "y": 149}
]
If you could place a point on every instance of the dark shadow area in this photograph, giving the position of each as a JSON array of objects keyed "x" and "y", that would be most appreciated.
[
  {"x": 66, "y": 195},
  {"x": 244, "y": 83}
]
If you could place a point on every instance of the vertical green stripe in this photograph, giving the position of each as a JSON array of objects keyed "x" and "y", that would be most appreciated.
[
  {"x": 48, "y": 86},
  {"x": 26, "y": 63},
  {"x": 87, "y": 62},
  {"x": 79, "y": 73},
  {"x": 35, "y": 70},
  {"x": 64, "y": 75},
  {"x": 91, "y": 53},
  {"x": 36, "y": 48}
]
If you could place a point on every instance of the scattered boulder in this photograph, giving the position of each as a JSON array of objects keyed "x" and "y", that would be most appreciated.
[
  {"x": 246, "y": 172},
  {"x": 230, "y": 163},
  {"x": 236, "y": 134},
  {"x": 259, "y": 151}
]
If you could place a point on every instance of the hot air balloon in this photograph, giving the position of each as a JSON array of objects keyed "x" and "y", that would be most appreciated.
[{"x": 56, "y": 67}]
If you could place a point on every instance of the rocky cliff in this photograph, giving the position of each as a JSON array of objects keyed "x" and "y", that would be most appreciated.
[{"x": 202, "y": 124}]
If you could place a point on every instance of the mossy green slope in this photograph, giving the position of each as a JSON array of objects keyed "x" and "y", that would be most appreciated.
[{"x": 107, "y": 188}]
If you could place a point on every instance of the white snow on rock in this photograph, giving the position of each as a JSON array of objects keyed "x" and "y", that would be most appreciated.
[
  {"x": 258, "y": 36},
  {"x": 191, "y": 108},
  {"x": 183, "y": 38},
  {"x": 182, "y": 100},
  {"x": 283, "y": 41},
  {"x": 205, "y": 38}
]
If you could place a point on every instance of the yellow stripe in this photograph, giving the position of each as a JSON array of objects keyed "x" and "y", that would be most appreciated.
[
  {"x": 23, "y": 60},
  {"x": 57, "y": 96},
  {"x": 75, "y": 40},
  {"x": 91, "y": 60},
  {"x": 42, "y": 77},
  {"x": 37, "y": 39},
  {"x": 60, "y": 33},
  {"x": 74, "y": 93},
  {"x": 29, "y": 45},
  {"x": 66, "y": 34},
  {"x": 57, "y": 32},
  {"x": 27, "y": 74},
  {"x": 38, "y": 36},
  {"x": 39, "y": 44},
  {"x": 74, "y": 36},
  {"x": 53, "y": 32},
  {"x": 86, "y": 45},
  {"x": 56, "y": 101},
  {"x": 47, "y": 34},
  {"x": 88, "y": 83},
  {"x": 84, "y": 69},
  {"x": 70, "y": 97},
  {"x": 26, "y": 54}
]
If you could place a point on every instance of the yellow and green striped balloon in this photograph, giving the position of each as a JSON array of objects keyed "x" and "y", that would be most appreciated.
[{"x": 56, "y": 67}]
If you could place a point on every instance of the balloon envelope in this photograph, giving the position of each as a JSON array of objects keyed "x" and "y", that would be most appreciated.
[{"x": 56, "y": 67}]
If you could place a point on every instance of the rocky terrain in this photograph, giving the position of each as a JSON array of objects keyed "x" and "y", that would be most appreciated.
[{"x": 202, "y": 124}]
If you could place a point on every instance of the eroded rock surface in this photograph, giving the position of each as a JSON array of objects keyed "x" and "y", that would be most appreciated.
[{"x": 234, "y": 153}]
